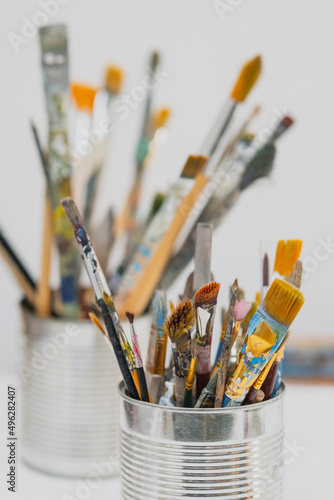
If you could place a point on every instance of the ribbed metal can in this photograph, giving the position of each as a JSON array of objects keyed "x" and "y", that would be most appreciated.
[
  {"x": 174, "y": 453},
  {"x": 68, "y": 405}
]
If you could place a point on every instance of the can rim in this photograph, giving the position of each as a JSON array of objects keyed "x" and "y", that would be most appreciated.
[{"x": 174, "y": 409}]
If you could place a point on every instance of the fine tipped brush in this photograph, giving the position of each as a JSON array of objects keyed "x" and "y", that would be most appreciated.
[
  {"x": 141, "y": 156},
  {"x": 264, "y": 336},
  {"x": 53, "y": 41},
  {"x": 287, "y": 253},
  {"x": 138, "y": 360},
  {"x": 99, "y": 283},
  {"x": 225, "y": 353},
  {"x": 156, "y": 354},
  {"x": 265, "y": 275},
  {"x": 188, "y": 393},
  {"x": 15, "y": 264},
  {"x": 179, "y": 326},
  {"x": 205, "y": 300},
  {"x": 246, "y": 80}
]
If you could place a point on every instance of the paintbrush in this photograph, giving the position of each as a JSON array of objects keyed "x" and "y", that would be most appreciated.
[
  {"x": 143, "y": 273},
  {"x": 106, "y": 96},
  {"x": 270, "y": 379},
  {"x": 53, "y": 41},
  {"x": 205, "y": 300},
  {"x": 226, "y": 185},
  {"x": 246, "y": 80},
  {"x": 141, "y": 156},
  {"x": 287, "y": 253},
  {"x": 188, "y": 393},
  {"x": 264, "y": 336},
  {"x": 20, "y": 272},
  {"x": 263, "y": 377},
  {"x": 156, "y": 354},
  {"x": 138, "y": 360},
  {"x": 43, "y": 296},
  {"x": 225, "y": 353},
  {"x": 179, "y": 326},
  {"x": 98, "y": 280}
]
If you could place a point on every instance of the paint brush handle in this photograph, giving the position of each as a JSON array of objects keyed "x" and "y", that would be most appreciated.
[
  {"x": 269, "y": 383},
  {"x": 143, "y": 384},
  {"x": 128, "y": 380},
  {"x": 43, "y": 291},
  {"x": 188, "y": 392},
  {"x": 219, "y": 128}
]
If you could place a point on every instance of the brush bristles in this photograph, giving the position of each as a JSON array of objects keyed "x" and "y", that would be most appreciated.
[
  {"x": 193, "y": 166},
  {"x": 266, "y": 270},
  {"x": 207, "y": 294},
  {"x": 130, "y": 317},
  {"x": 72, "y": 212},
  {"x": 96, "y": 322},
  {"x": 180, "y": 321},
  {"x": 114, "y": 79},
  {"x": 283, "y": 302},
  {"x": 155, "y": 58},
  {"x": 84, "y": 96},
  {"x": 287, "y": 254},
  {"x": 160, "y": 118},
  {"x": 296, "y": 277},
  {"x": 247, "y": 79}
]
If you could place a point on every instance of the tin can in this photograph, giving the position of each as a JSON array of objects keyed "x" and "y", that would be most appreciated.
[
  {"x": 173, "y": 453},
  {"x": 68, "y": 405}
]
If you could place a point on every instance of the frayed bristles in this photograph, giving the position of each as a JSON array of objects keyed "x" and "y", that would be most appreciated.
[
  {"x": 247, "y": 79},
  {"x": 295, "y": 279},
  {"x": 193, "y": 166},
  {"x": 207, "y": 294},
  {"x": 283, "y": 302},
  {"x": 130, "y": 316},
  {"x": 181, "y": 320},
  {"x": 287, "y": 254},
  {"x": 113, "y": 79},
  {"x": 84, "y": 96}
]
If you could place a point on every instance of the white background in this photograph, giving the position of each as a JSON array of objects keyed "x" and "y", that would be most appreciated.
[{"x": 202, "y": 55}]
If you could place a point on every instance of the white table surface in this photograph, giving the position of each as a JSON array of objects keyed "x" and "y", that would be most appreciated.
[{"x": 308, "y": 456}]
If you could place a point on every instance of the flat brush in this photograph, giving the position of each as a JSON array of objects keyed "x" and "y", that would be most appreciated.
[
  {"x": 287, "y": 253},
  {"x": 205, "y": 300},
  {"x": 264, "y": 336},
  {"x": 246, "y": 80},
  {"x": 296, "y": 277},
  {"x": 20, "y": 272},
  {"x": 188, "y": 393},
  {"x": 225, "y": 353},
  {"x": 138, "y": 360},
  {"x": 97, "y": 279},
  {"x": 179, "y": 326},
  {"x": 53, "y": 41}
]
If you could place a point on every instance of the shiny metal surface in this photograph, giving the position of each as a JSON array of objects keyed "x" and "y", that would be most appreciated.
[
  {"x": 179, "y": 453},
  {"x": 68, "y": 400}
]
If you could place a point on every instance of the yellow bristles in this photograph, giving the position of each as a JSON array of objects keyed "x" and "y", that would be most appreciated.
[
  {"x": 181, "y": 320},
  {"x": 160, "y": 118},
  {"x": 84, "y": 96},
  {"x": 287, "y": 254},
  {"x": 193, "y": 166},
  {"x": 114, "y": 79},
  {"x": 258, "y": 298},
  {"x": 283, "y": 302},
  {"x": 247, "y": 79},
  {"x": 208, "y": 293}
]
